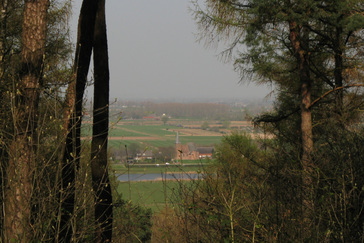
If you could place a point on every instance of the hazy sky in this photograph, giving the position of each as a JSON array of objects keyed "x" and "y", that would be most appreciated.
[{"x": 153, "y": 54}]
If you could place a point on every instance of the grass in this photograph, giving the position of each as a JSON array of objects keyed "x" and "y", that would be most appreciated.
[
  {"x": 117, "y": 132},
  {"x": 143, "y": 130},
  {"x": 201, "y": 140},
  {"x": 153, "y": 194},
  {"x": 135, "y": 169},
  {"x": 120, "y": 144}
]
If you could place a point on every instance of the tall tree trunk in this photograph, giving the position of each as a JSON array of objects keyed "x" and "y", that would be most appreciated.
[
  {"x": 99, "y": 166},
  {"x": 339, "y": 67},
  {"x": 300, "y": 42},
  {"x": 25, "y": 116},
  {"x": 73, "y": 116},
  {"x": 3, "y": 23}
]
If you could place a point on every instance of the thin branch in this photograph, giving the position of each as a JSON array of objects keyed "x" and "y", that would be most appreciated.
[
  {"x": 272, "y": 118},
  {"x": 334, "y": 90}
]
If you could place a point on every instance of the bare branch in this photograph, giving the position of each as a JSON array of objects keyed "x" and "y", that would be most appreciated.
[{"x": 334, "y": 90}]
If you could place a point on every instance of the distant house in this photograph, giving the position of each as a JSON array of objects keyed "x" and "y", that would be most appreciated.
[
  {"x": 190, "y": 151},
  {"x": 146, "y": 155},
  {"x": 205, "y": 152}
]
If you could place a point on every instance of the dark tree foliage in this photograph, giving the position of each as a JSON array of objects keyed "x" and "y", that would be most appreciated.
[{"x": 134, "y": 222}]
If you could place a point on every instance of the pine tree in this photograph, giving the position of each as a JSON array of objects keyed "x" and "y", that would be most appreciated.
[{"x": 22, "y": 149}]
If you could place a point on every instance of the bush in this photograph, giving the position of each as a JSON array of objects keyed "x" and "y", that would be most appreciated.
[{"x": 132, "y": 223}]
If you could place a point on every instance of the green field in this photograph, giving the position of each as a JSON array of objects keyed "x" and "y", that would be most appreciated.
[
  {"x": 143, "y": 169},
  {"x": 154, "y": 194},
  {"x": 155, "y": 135},
  {"x": 201, "y": 140},
  {"x": 156, "y": 130},
  {"x": 145, "y": 143}
]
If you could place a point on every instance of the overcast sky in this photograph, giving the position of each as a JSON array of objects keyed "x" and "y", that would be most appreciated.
[{"x": 154, "y": 54}]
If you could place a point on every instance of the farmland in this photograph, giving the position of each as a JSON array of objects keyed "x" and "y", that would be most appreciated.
[{"x": 154, "y": 134}]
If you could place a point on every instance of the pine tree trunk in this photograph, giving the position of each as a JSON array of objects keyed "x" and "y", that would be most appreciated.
[
  {"x": 300, "y": 42},
  {"x": 339, "y": 67},
  {"x": 99, "y": 166},
  {"x": 22, "y": 155}
]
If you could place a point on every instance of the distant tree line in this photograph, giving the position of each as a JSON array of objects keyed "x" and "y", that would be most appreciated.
[{"x": 207, "y": 111}]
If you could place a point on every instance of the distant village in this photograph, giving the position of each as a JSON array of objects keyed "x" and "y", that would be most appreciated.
[
  {"x": 190, "y": 151},
  {"x": 182, "y": 152}
]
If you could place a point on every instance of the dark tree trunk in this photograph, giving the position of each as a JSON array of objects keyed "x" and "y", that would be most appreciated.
[
  {"x": 339, "y": 67},
  {"x": 3, "y": 21},
  {"x": 25, "y": 116},
  {"x": 300, "y": 42},
  {"x": 99, "y": 166},
  {"x": 73, "y": 116}
]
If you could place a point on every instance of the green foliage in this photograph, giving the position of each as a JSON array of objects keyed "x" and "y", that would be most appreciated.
[
  {"x": 205, "y": 125},
  {"x": 133, "y": 149},
  {"x": 340, "y": 181},
  {"x": 165, "y": 154},
  {"x": 227, "y": 205},
  {"x": 133, "y": 222},
  {"x": 226, "y": 124},
  {"x": 164, "y": 119}
]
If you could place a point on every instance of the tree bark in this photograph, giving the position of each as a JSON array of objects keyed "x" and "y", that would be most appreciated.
[
  {"x": 300, "y": 42},
  {"x": 25, "y": 116},
  {"x": 339, "y": 67},
  {"x": 99, "y": 166},
  {"x": 3, "y": 21},
  {"x": 73, "y": 117}
]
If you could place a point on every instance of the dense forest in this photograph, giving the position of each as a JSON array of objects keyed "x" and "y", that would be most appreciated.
[{"x": 305, "y": 183}]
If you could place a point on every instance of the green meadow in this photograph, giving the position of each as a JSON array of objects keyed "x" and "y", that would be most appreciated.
[{"x": 154, "y": 194}]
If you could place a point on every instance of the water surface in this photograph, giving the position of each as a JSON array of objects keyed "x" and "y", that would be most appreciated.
[{"x": 159, "y": 176}]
